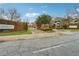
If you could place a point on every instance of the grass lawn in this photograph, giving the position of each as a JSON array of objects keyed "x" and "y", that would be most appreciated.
[{"x": 16, "y": 33}]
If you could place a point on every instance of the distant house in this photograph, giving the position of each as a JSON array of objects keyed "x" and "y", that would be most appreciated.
[
  {"x": 32, "y": 25},
  {"x": 73, "y": 24}
]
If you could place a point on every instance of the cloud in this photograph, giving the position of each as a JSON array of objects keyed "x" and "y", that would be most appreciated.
[
  {"x": 32, "y": 14},
  {"x": 73, "y": 15},
  {"x": 77, "y": 9}
]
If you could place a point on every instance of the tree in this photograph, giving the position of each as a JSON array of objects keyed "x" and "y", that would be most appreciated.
[
  {"x": 66, "y": 23},
  {"x": 2, "y": 12},
  {"x": 74, "y": 15},
  {"x": 43, "y": 19},
  {"x": 12, "y": 14}
]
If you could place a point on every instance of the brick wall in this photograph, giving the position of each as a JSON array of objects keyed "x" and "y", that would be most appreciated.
[{"x": 18, "y": 26}]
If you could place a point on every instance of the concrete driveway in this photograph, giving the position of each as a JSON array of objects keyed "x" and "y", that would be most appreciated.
[{"x": 66, "y": 45}]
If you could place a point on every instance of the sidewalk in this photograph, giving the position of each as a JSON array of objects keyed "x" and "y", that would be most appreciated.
[
  {"x": 30, "y": 36},
  {"x": 35, "y": 34}
]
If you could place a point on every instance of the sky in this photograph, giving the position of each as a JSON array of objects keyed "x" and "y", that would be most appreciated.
[{"x": 30, "y": 11}]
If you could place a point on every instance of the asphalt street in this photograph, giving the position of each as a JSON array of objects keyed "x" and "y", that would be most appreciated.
[{"x": 66, "y": 45}]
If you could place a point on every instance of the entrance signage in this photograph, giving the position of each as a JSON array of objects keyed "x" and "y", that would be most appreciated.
[{"x": 4, "y": 26}]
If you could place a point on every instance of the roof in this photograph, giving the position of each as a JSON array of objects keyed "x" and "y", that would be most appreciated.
[{"x": 5, "y": 21}]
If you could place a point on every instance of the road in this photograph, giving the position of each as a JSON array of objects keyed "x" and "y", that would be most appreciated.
[{"x": 66, "y": 45}]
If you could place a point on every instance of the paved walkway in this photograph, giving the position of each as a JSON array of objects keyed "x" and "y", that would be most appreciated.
[{"x": 29, "y": 36}]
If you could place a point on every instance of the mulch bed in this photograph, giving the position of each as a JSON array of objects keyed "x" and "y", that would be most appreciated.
[{"x": 2, "y": 41}]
